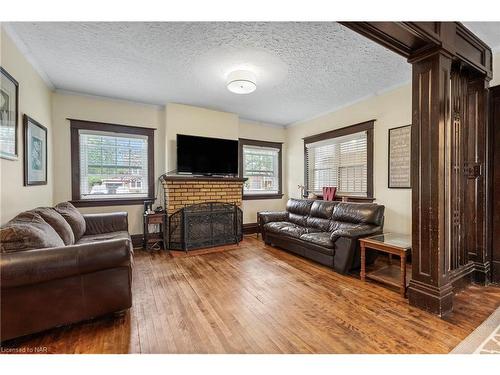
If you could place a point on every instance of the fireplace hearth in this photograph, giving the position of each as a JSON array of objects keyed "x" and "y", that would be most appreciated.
[{"x": 205, "y": 225}]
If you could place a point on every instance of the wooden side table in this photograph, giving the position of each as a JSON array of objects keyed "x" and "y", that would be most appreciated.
[
  {"x": 153, "y": 240},
  {"x": 391, "y": 244}
]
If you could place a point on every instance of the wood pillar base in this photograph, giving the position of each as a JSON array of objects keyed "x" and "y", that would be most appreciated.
[
  {"x": 482, "y": 272},
  {"x": 437, "y": 300},
  {"x": 495, "y": 272}
]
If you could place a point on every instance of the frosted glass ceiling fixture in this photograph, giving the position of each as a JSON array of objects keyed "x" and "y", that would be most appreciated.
[{"x": 241, "y": 82}]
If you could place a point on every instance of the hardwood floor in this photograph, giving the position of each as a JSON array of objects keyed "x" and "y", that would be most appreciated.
[{"x": 257, "y": 299}]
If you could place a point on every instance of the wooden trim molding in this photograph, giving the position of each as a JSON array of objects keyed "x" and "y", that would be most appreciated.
[
  {"x": 75, "y": 126},
  {"x": 250, "y": 228},
  {"x": 108, "y": 202},
  {"x": 137, "y": 240},
  {"x": 351, "y": 129},
  {"x": 178, "y": 177},
  {"x": 256, "y": 197},
  {"x": 415, "y": 40},
  {"x": 253, "y": 142}
]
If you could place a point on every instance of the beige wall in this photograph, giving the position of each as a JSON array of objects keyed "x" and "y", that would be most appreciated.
[
  {"x": 252, "y": 130},
  {"x": 82, "y": 107},
  {"x": 35, "y": 101},
  {"x": 176, "y": 118},
  {"x": 190, "y": 120},
  {"x": 390, "y": 110},
  {"x": 185, "y": 119}
]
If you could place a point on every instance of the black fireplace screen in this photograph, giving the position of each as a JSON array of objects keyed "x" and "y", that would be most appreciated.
[{"x": 205, "y": 225}]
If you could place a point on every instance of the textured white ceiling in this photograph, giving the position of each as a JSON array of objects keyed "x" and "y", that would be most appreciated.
[{"x": 302, "y": 69}]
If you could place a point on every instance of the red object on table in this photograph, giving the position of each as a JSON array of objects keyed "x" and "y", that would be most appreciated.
[{"x": 329, "y": 193}]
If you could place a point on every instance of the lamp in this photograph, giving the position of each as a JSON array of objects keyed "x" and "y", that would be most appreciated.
[{"x": 241, "y": 82}]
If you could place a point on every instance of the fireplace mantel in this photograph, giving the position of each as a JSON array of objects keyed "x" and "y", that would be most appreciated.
[{"x": 178, "y": 177}]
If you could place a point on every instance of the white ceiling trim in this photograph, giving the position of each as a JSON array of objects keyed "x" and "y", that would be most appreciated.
[
  {"x": 26, "y": 53},
  {"x": 268, "y": 124},
  {"x": 109, "y": 98}
]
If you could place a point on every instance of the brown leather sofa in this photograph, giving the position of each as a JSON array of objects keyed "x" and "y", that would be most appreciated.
[
  {"x": 59, "y": 267},
  {"x": 324, "y": 231}
]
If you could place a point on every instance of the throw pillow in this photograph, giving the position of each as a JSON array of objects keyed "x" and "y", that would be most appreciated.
[
  {"x": 57, "y": 221},
  {"x": 73, "y": 217},
  {"x": 28, "y": 231}
]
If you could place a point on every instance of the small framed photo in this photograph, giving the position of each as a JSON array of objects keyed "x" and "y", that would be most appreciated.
[
  {"x": 399, "y": 168},
  {"x": 9, "y": 104},
  {"x": 35, "y": 152}
]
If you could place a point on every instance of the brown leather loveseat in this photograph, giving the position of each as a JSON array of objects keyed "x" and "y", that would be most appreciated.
[
  {"x": 324, "y": 231},
  {"x": 59, "y": 267}
]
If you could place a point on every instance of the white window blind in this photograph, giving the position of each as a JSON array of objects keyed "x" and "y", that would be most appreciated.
[
  {"x": 260, "y": 166},
  {"x": 113, "y": 165},
  {"x": 340, "y": 162}
]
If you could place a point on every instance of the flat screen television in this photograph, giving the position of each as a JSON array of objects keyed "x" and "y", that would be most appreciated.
[{"x": 206, "y": 156}]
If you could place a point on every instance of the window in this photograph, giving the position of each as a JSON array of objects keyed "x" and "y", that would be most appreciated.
[
  {"x": 342, "y": 158},
  {"x": 111, "y": 164},
  {"x": 260, "y": 163}
]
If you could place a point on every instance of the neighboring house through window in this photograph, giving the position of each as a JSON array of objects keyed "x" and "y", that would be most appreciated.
[
  {"x": 260, "y": 163},
  {"x": 111, "y": 164},
  {"x": 342, "y": 158}
]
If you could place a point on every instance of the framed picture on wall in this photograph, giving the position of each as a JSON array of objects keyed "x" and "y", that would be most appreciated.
[
  {"x": 35, "y": 152},
  {"x": 9, "y": 104},
  {"x": 399, "y": 166}
]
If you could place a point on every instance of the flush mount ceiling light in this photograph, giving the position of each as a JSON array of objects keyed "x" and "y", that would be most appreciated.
[{"x": 241, "y": 82}]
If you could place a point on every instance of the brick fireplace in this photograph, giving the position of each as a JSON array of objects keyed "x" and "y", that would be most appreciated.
[{"x": 182, "y": 191}]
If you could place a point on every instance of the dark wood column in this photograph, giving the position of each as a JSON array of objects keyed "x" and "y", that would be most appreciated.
[
  {"x": 430, "y": 287},
  {"x": 476, "y": 221},
  {"x": 452, "y": 225},
  {"x": 495, "y": 182}
]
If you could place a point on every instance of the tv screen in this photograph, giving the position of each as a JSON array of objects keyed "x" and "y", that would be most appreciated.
[{"x": 207, "y": 156}]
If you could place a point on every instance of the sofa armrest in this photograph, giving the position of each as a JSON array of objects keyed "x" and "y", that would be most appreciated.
[
  {"x": 34, "y": 266},
  {"x": 106, "y": 223},
  {"x": 360, "y": 231},
  {"x": 271, "y": 216}
]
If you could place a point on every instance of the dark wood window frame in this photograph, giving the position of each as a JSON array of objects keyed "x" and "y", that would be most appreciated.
[
  {"x": 252, "y": 142},
  {"x": 356, "y": 128},
  {"x": 77, "y": 125}
]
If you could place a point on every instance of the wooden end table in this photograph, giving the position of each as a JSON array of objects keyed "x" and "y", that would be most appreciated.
[
  {"x": 391, "y": 244},
  {"x": 153, "y": 240}
]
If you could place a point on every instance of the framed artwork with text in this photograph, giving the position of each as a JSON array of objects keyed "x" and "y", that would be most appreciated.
[
  {"x": 9, "y": 104},
  {"x": 399, "y": 168}
]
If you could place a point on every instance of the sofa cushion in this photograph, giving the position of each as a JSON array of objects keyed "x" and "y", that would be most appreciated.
[
  {"x": 367, "y": 213},
  {"x": 56, "y": 221},
  {"x": 285, "y": 228},
  {"x": 346, "y": 227},
  {"x": 28, "y": 231},
  {"x": 322, "y": 225},
  {"x": 322, "y": 209},
  {"x": 91, "y": 238},
  {"x": 298, "y": 210},
  {"x": 319, "y": 238},
  {"x": 73, "y": 217}
]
